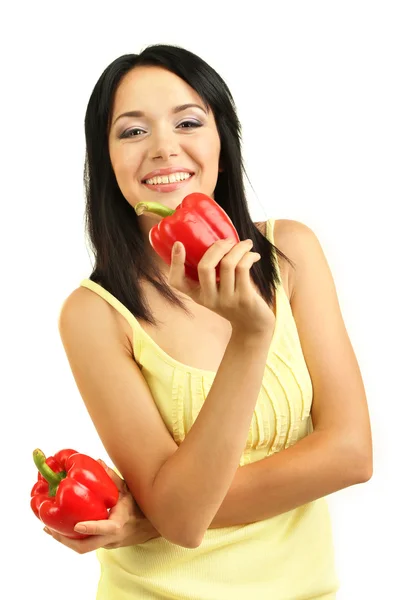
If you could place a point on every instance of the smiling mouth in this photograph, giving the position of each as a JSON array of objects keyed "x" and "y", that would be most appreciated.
[{"x": 167, "y": 179}]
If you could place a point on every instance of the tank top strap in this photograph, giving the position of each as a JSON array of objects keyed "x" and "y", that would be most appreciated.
[
  {"x": 138, "y": 331},
  {"x": 270, "y": 236}
]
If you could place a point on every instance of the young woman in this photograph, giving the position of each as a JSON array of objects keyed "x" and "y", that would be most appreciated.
[{"x": 202, "y": 393}]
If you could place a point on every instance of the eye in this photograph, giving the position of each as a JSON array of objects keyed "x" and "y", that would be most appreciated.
[
  {"x": 128, "y": 133},
  {"x": 192, "y": 123},
  {"x": 132, "y": 132}
]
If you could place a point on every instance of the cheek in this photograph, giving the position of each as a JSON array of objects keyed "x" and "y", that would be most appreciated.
[
  {"x": 124, "y": 164},
  {"x": 209, "y": 152}
]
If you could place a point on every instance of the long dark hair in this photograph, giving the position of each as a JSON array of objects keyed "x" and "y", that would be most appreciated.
[{"x": 111, "y": 222}]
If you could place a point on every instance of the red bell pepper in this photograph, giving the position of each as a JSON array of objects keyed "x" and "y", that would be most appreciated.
[
  {"x": 197, "y": 222},
  {"x": 71, "y": 487}
]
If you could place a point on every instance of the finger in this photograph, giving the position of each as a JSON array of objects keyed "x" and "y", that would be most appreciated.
[
  {"x": 88, "y": 544},
  {"x": 124, "y": 508},
  {"x": 119, "y": 515},
  {"x": 106, "y": 527},
  {"x": 119, "y": 482},
  {"x": 227, "y": 283},
  {"x": 177, "y": 268},
  {"x": 243, "y": 273},
  {"x": 207, "y": 270}
]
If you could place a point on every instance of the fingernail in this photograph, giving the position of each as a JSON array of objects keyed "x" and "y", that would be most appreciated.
[
  {"x": 46, "y": 530},
  {"x": 177, "y": 248},
  {"x": 80, "y": 528}
]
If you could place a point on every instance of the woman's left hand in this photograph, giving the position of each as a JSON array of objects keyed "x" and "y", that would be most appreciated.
[{"x": 125, "y": 526}]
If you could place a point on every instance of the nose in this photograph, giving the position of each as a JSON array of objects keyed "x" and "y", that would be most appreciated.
[{"x": 164, "y": 145}]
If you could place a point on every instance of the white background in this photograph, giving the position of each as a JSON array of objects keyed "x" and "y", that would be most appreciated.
[{"x": 314, "y": 87}]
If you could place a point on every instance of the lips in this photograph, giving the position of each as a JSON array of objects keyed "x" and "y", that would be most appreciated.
[
  {"x": 168, "y": 187},
  {"x": 167, "y": 171}
]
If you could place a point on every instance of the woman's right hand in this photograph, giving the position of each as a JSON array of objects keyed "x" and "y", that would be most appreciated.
[{"x": 235, "y": 298}]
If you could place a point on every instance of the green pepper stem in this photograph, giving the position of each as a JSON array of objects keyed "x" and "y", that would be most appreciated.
[
  {"x": 153, "y": 207},
  {"x": 53, "y": 478}
]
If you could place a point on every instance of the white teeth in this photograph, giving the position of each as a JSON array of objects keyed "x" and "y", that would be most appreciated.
[{"x": 173, "y": 178}]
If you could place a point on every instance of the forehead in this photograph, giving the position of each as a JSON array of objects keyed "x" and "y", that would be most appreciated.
[{"x": 152, "y": 88}]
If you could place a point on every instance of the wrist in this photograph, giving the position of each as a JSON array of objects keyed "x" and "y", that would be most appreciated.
[
  {"x": 149, "y": 529},
  {"x": 252, "y": 338}
]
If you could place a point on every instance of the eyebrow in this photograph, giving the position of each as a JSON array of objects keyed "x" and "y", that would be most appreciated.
[{"x": 176, "y": 109}]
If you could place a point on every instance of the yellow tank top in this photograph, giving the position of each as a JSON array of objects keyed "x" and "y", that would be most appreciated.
[{"x": 287, "y": 557}]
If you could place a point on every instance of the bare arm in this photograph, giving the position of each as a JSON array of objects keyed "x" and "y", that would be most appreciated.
[
  {"x": 314, "y": 467},
  {"x": 192, "y": 484},
  {"x": 339, "y": 451}
]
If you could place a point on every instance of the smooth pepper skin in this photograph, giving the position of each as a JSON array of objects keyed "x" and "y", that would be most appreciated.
[
  {"x": 197, "y": 222},
  {"x": 79, "y": 489}
]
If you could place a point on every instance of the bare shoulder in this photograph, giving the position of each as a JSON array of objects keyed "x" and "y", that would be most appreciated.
[
  {"x": 81, "y": 299},
  {"x": 285, "y": 232},
  {"x": 290, "y": 237},
  {"x": 82, "y": 296},
  {"x": 83, "y": 307}
]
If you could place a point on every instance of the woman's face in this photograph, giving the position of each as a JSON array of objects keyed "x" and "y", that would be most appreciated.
[{"x": 161, "y": 137}]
